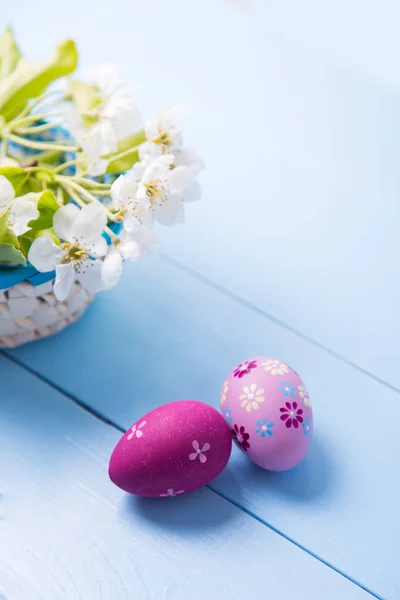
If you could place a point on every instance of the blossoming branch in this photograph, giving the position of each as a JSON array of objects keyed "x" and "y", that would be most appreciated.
[{"x": 82, "y": 181}]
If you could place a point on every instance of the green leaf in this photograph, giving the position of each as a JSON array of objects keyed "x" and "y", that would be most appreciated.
[
  {"x": 10, "y": 254},
  {"x": 9, "y": 246},
  {"x": 9, "y": 53},
  {"x": 47, "y": 205},
  {"x": 26, "y": 239},
  {"x": 7, "y": 236},
  {"x": 30, "y": 79},
  {"x": 15, "y": 175},
  {"x": 127, "y": 154},
  {"x": 85, "y": 97},
  {"x": 22, "y": 181},
  {"x": 3, "y": 222}
]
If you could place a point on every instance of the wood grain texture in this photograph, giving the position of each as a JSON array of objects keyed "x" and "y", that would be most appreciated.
[
  {"x": 68, "y": 534},
  {"x": 300, "y": 206},
  {"x": 162, "y": 336}
]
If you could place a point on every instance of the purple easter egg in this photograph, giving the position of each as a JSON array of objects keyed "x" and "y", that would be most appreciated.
[
  {"x": 268, "y": 409},
  {"x": 174, "y": 449}
]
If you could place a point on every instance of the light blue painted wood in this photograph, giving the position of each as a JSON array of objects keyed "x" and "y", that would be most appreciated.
[
  {"x": 299, "y": 217},
  {"x": 161, "y": 336},
  {"x": 68, "y": 534},
  {"x": 300, "y": 203}
]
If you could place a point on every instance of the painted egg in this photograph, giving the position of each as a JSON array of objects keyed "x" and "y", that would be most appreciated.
[
  {"x": 174, "y": 449},
  {"x": 268, "y": 409}
]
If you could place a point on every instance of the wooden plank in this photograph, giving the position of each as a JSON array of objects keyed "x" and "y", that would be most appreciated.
[
  {"x": 68, "y": 533},
  {"x": 161, "y": 336}
]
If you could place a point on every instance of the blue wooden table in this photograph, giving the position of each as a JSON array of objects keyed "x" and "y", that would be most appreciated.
[{"x": 292, "y": 252}]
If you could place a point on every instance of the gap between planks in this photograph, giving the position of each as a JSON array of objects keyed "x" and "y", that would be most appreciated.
[
  {"x": 193, "y": 274},
  {"x": 101, "y": 417}
]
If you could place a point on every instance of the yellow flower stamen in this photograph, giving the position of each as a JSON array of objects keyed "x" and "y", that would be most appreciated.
[
  {"x": 163, "y": 139},
  {"x": 74, "y": 254},
  {"x": 154, "y": 192}
]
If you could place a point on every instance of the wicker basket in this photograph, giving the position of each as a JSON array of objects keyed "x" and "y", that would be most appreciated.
[{"x": 29, "y": 312}]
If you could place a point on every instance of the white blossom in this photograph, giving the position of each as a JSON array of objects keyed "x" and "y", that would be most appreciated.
[
  {"x": 131, "y": 248},
  {"x": 80, "y": 231},
  {"x": 163, "y": 134},
  {"x": 111, "y": 268},
  {"x": 94, "y": 142},
  {"x": 146, "y": 239},
  {"x": 184, "y": 157},
  {"x": 132, "y": 211},
  {"x": 21, "y": 210},
  {"x": 114, "y": 117},
  {"x": 188, "y": 157},
  {"x": 163, "y": 184}
]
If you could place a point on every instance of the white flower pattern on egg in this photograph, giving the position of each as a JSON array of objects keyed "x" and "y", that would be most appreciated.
[
  {"x": 199, "y": 452},
  {"x": 136, "y": 430},
  {"x": 171, "y": 493}
]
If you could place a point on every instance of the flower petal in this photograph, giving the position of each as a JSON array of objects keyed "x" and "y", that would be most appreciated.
[
  {"x": 111, "y": 269},
  {"x": 90, "y": 276},
  {"x": 98, "y": 248},
  {"x": 131, "y": 224},
  {"x": 288, "y": 423},
  {"x": 89, "y": 223},
  {"x": 97, "y": 167},
  {"x": 44, "y": 254},
  {"x": 193, "y": 456},
  {"x": 203, "y": 458},
  {"x": 65, "y": 276},
  {"x": 179, "y": 179},
  {"x": 63, "y": 220},
  {"x": 123, "y": 191},
  {"x": 21, "y": 212},
  {"x": 196, "y": 445},
  {"x": 206, "y": 447},
  {"x": 130, "y": 250},
  {"x": 7, "y": 193},
  {"x": 171, "y": 212},
  {"x": 116, "y": 192}
]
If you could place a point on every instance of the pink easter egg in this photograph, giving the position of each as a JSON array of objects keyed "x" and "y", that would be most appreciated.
[
  {"x": 174, "y": 449},
  {"x": 268, "y": 409}
]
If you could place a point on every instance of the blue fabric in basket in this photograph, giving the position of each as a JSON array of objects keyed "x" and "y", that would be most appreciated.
[{"x": 10, "y": 276}]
